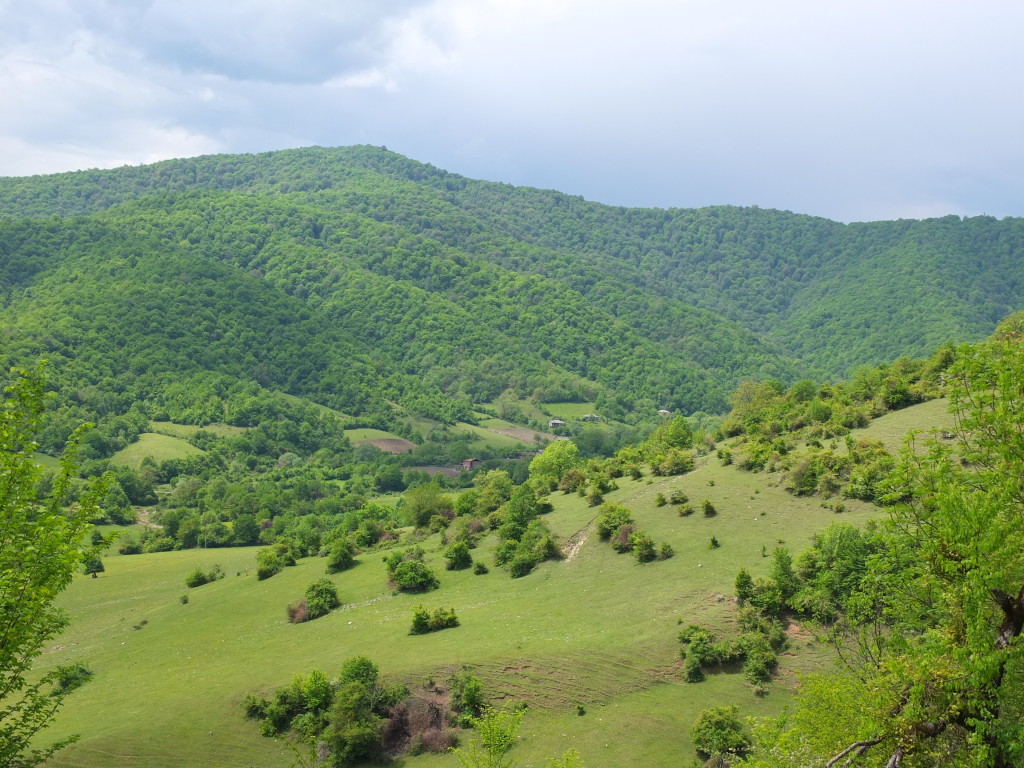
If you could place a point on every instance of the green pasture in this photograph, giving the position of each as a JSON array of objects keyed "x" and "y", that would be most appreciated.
[
  {"x": 526, "y": 406},
  {"x": 567, "y": 411},
  {"x": 365, "y": 434},
  {"x": 47, "y": 462},
  {"x": 598, "y": 630},
  {"x": 485, "y": 438},
  {"x": 160, "y": 447},
  {"x": 893, "y": 427},
  {"x": 420, "y": 424}
]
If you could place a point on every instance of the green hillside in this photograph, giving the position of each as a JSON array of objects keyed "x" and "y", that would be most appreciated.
[
  {"x": 596, "y": 629},
  {"x": 478, "y": 287}
]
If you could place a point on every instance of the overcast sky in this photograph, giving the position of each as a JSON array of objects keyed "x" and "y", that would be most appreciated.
[{"x": 851, "y": 110}]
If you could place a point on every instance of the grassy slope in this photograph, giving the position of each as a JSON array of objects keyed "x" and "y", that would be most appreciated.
[
  {"x": 893, "y": 427},
  {"x": 160, "y": 447},
  {"x": 569, "y": 410},
  {"x": 599, "y": 630},
  {"x": 365, "y": 434}
]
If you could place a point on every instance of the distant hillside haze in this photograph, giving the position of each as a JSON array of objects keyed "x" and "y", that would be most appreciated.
[{"x": 358, "y": 278}]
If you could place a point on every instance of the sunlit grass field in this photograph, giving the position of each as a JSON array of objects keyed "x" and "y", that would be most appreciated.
[
  {"x": 160, "y": 447},
  {"x": 596, "y": 630}
]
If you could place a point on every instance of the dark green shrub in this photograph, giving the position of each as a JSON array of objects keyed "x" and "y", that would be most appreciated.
[
  {"x": 130, "y": 546},
  {"x": 480, "y": 568},
  {"x": 93, "y": 566},
  {"x": 693, "y": 672},
  {"x": 255, "y": 706},
  {"x": 718, "y": 731},
  {"x": 467, "y": 693},
  {"x": 505, "y": 552},
  {"x": 665, "y": 551},
  {"x": 660, "y": 500},
  {"x": 686, "y": 510},
  {"x": 676, "y": 462},
  {"x": 457, "y": 556},
  {"x": 420, "y": 621},
  {"x": 643, "y": 547},
  {"x": 713, "y": 543},
  {"x": 678, "y": 497},
  {"x": 424, "y": 622},
  {"x": 443, "y": 619},
  {"x": 708, "y": 508},
  {"x": 285, "y": 552},
  {"x": 744, "y": 585},
  {"x": 612, "y": 517},
  {"x": 767, "y": 597},
  {"x": 70, "y": 677},
  {"x": 340, "y": 557},
  {"x": 268, "y": 564},
  {"x": 438, "y": 523},
  {"x": 322, "y": 597},
  {"x": 414, "y": 576},
  {"x": 196, "y": 579},
  {"x": 759, "y": 658},
  {"x": 520, "y": 566}
]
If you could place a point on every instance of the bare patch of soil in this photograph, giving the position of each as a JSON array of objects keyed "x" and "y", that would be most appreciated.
[{"x": 572, "y": 547}]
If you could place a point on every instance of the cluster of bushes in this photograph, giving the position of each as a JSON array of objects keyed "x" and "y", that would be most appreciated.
[
  {"x": 198, "y": 577},
  {"x": 822, "y": 580},
  {"x": 340, "y": 556},
  {"x": 718, "y": 731},
  {"x": 408, "y": 572},
  {"x": 321, "y": 598},
  {"x": 273, "y": 560},
  {"x": 770, "y": 421},
  {"x": 615, "y": 524},
  {"x": 756, "y": 648},
  {"x": 525, "y": 540},
  {"x": 457, "y": 556},
  {"x": 68, "y": 678},
  {"x": 344, "y": 719},
  {"x": 357, "y": 718},
  {"x": 423, "y": 621}
]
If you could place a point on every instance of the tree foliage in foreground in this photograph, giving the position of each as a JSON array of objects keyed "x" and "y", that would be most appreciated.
[
  {"x": 40, "y": 551},
  {"x": 931, "y": 639}
]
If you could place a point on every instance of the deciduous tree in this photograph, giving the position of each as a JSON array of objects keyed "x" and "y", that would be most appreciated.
[{"x": 41, "y": 548}]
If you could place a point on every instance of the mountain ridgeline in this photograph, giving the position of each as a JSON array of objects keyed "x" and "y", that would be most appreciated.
[{"x": 357, "y": 278}]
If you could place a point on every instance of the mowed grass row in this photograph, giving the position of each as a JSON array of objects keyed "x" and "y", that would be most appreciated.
[{"x": 597, "y": 630}]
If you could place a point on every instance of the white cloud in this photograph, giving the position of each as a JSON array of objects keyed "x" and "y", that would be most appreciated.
[{"x": 837, "y": 109}]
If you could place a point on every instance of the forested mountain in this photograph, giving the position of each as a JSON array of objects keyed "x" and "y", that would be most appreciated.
[{"x": 357, "y": 277}]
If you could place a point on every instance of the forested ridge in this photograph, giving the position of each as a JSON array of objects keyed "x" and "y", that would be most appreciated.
[{"x": 354, "y": 275}]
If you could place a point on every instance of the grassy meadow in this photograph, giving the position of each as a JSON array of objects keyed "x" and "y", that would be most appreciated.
[
  {"x": 597, "y": 630},
  {"x": 569, "y": 411},
  {"x": 161, "y": 447}
]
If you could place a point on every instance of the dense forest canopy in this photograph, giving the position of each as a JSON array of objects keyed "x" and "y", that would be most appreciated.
[{"x": 356, "y": 277}]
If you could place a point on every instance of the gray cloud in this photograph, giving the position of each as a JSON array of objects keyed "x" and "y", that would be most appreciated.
[{"x": 848, "y": 110}]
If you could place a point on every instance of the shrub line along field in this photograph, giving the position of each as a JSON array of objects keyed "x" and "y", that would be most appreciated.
[{"x": 596, "y": 630}]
